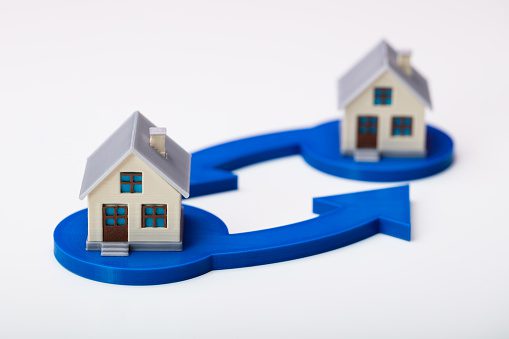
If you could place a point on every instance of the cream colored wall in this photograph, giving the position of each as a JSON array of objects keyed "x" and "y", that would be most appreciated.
[
  {"x": 404, "y": 103},
  {"x": 155, "y": 191}
]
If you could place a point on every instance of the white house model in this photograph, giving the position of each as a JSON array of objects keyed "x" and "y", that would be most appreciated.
[
  {"x": 384, "y": 99},
  {"x": 135, "y": 182}
]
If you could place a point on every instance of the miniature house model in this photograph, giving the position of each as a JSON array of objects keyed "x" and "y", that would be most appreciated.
[
  {"x": 384, "y": 99},
  {"x": 134, "y": 183}
]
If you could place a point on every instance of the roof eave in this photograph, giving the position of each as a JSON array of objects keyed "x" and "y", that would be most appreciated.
[
  {"x": 83, "y": 194},
  {"x": 356, "y": 93},
  {"x": 183, "y": 191},
  {"x": 423, "y": 100}
]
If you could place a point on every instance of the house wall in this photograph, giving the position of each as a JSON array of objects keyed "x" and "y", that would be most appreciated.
[
  {"x": 155, "y": 190},
  {"x": 404, "y": 103}
]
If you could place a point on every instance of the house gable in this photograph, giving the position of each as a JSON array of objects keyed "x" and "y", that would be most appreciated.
[
  {"x": 403, "y": 99},
  {"x": 132, "y": 137},
  {"x": 153, "y": 185}
]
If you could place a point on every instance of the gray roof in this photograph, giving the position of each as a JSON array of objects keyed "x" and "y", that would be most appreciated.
[
  {"x": 132, "y": 137},
  {"x": 380, "y": 59}
]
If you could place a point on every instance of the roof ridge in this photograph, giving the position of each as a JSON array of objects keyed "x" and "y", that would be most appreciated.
[
  {"x": 134, "y": 130},
  {"x": 118, "y": 128}
]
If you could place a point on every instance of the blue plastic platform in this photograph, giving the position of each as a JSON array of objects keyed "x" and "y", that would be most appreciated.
[
  {"x": 343, "y": 220},
  {"x": 212, "y": 167}
]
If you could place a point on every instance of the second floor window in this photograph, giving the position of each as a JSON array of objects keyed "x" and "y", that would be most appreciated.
[
  {"x": 383, "y": 96},
  {"x": 131, "y": 182}
]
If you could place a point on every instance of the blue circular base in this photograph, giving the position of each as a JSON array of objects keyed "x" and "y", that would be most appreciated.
[
  {"x": 321, "y": 149},
  {"x": 140, "y": 267}
]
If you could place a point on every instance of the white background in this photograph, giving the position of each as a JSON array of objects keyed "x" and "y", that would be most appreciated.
[{"x": 211, "y": 71}]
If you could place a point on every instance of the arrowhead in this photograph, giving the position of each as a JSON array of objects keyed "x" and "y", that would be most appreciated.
[{"x": 390, "y": 206}]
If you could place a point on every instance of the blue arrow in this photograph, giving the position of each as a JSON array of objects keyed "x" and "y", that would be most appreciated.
[
  {"x": 211, "y": 170},
  {"x": 343, "y": 220},
  {"x": 212, "y": 167}
]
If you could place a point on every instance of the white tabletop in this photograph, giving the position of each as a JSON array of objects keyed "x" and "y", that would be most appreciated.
[{"x": 70, "y": 73}]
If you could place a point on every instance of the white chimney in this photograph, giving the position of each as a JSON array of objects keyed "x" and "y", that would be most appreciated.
[
  {"x": 158, "y": 139},
  {"x": 403, "y": 61}
]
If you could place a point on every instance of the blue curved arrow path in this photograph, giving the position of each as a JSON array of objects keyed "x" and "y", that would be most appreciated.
[
  {"x": 343, "y": 220},
  {"x": 212, "y": 168}
]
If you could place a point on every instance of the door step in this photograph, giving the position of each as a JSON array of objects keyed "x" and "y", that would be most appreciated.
[
  {"x": 366, "y": 155},
  {"x": 115, "y": 249}
]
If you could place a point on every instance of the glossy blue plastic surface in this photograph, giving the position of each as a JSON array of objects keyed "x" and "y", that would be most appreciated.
[
  {"x": 212, "y": 167},
  {"x": 343, "y": 220}
]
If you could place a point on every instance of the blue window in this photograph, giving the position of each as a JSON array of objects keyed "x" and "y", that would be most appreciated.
[
  {"x": 154, "y": 216},
  {"x": 110, "y": 211},
  {"x": 368, "y": 125},
  {"x": 131, "y": 182},
  {"x": 383, "y": 96},
  {"x": 114, "y": 215},
  {"x": 402, "y": 126}
]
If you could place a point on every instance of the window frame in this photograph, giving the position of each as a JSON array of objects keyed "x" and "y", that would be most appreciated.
[
  {"x": 385, "y": 94},
  {"x": 154, "y": 216},
  {"x": 115, "y": 215},
  {"x": 131, "y": 181},
  {"x": 367, "y": 125},
  {"x": 407, "y": 123}
]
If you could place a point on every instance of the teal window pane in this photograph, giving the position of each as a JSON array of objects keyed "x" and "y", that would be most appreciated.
[
  {"x": 383, "y": 96},
  {"x": 125, "y": 178},
  {"x": 137, "y": 178},
  {"x": 110, "y": 222},
  {"x": 125, "y": 188},
  {"x": 110, "y": 211},
  {"x": 149, "y": 222},
  {"x": 121, "y": 211},
  {"x": 149, "y": 211},
  {"x": 159, "y": 222},
  {"x": 137, "y": 188},
  {"x": 160, "y": 211},
  {"x": 121, "y": 221},
  {"x": 402, "y": 126}
]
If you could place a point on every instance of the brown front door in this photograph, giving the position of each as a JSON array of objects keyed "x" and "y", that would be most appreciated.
[
  {"x": 115, "y": 222},
  {"x": 367, "y": 131}
]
